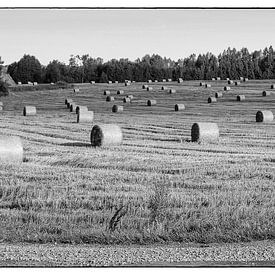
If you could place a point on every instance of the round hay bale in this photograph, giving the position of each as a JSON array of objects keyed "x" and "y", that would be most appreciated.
[
  {"x": 156, "y": 80},
  {"x": 202, "y": 83},
  {"x": 226, "y": 88},
  {"x": 172, "y": 91},
  {"x": 35, "y": 83},
  {"x": 117, "y": 109},
  {"x": 211, "y": 99},
  {"x": 144, "y": 86},
  {"x": 1, "y": 108},
  {"x": 266, "y": 93},
  {"x": 151, "y": 102},
  {"x": 218, "y": 78},
  {"x": 230, "y": 82},
  {"x": 180, "y": 80},
  {"x": 30, "y": 83},
  {"x": 72, "y": 107},
  {"x": 218, "y": 94},
  {"x": 11, "y": 150},
  {"x": 68, "y": 100},
  {"x": 169, "y": 80},
  {"x": 116, "y": 82},
  {"x": 213, "y": 78},
  {"x": 52, "y": 83},
  {"x": 19, "y": 83},
  {"x": 227, "y": 78},
  {"x": 127, "y": 84},
  {"x": 163, "y": 80},
  {"x": 264, "y": 116},
  {"x": 149, "y": 88},
  {"x": 76, "y": 90},
  {"x": 245, "y": 79},
  {"x": 106, "y": 92},
  {"x": 130, "y": 96},
  {"x": 241, "y": 78},
  {"x": 29, "y": 111},
  {"x": 110, "y": 82},
  {"x": 110, "y": 98},
  {"x": 272, "y": 86},
  {"x": 120, "y": 92},
  {"x": 81, "y": 108},
  {"x": 126, "y": 99},
  {"x": 85, "y": 116},
  {"x": 207, "y": 85},
  {"x": 205, "y": 131},
  {"x": 92, "y": 82},
  {"x": 240, "y": 97},
  {"x": 237, "y": 83},
  {"x": 1, "y": 103},
  {"x": 149, "y": 81},
  {"x": 179, "y": 107},
  {"x": 106, "y": 134},
  {"x": 163, "y": 88}
]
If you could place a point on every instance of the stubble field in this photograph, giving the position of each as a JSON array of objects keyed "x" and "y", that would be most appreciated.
[{"x": 155, "y": 187}]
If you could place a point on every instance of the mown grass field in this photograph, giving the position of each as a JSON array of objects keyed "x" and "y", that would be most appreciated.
[{"x": 155, "y": 187}]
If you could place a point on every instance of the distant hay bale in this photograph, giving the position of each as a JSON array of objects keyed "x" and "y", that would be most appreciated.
[
  {"x": 240, "y": 97},
  {"x": 226, "y": 88},
  {"x": 155, "y": 80},
  {"x": 163, "y": 88},
  {"x": 120, "y": 92},
  {"x": 241, "y": 78},
  {"x": 172, "y": 91},
  {"x": 106, "y": 134},
  {"x": 213, "y": 78},
  {"x": 116, "y": 82},
  {"x": 1, "y": 103},
  {"x": 29, "y": 111},
  {"x": 107, "y": 92},
  {"x": 81, "y": 109},
  {"x": 127, "y": 100},
  {"x": 218, "y": 78},
  {"x": 207, "y": 85},
  {"x": 35, "y": 83},
  {"x": 110, "y": 82},
  {"x": 179, "y": 107},
  {"x": 11, "y": 150},
  {"x": 76, "y": 90},
  {"x": 30, "y": 83},
  {"x": 68, "y": 100},
  {"x": 85, "y": 116},
  {"x": 117, "y": 109},
  {"x": 52, "y": 83},
  {"x": 144, "y": 86},
  {"x": 205, "y": 132},
  {"x": 110, "y": 98},
  {"x": 151, "y": 102},
  {"x": 211, "y": 99},
  {"x": 264, "y": 116},
  {"x": 245, "y": 79},
  {"x": 92, "y": 82},
  {"x": 272, "y": 86},
  {"x": 149, "y": 89},
  {"x": 72, "y": 107},
  {"x": 19, "y": 83},
  {"x": 130, "y": 96},
  {"x": 180, "y": 80},
  {"x": 230, "y": 81},
  {"x": 266, "y": 93},
  {"x": 149, "y": 81},
  {"x": 163, "y": 80},
  {"x": 227, "y": 78},
  {"x": 237, "y": 83},
  {"x": 218, "y": 94},
  {"x": 202, "y": 83},
  {"x": 127, "y": 84},
  {"x": 169, "y": 80}
]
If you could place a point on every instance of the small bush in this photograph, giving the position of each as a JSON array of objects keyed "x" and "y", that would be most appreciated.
[
  {"x": 61, "y": 84},
  {"x": 4, "y": 91}
]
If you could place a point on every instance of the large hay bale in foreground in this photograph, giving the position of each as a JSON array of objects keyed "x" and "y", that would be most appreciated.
[
  {"x": 179, "y": 107},
  {"x": 81, "y": 108},
  {"x": 110, "y": 98},
  {"x": 72, "y": 107},
  {"x": 226, "y": 88},
  {"x": 106, "y": 92},
  {"x": 172, "y": 91},
  {"x": 117, "y": 109},
  {"x": 218, "y": 94},
  {"x": 151, "y": 102},
  {"x": 211, "y": 99},
  {"x": 85, "y": 116},
  {"x": 11, "y": 150},
  {"x": 264, "y": 116},
  {"x": 240, "y": 97},
  {"x": 120, "y": 92},
  {"x": 266, "y": 93},
  {"x": 76, "y": 90},
  {"x": 29, "y": 111},
  {"x": 106, "y": 134},
  {"x": 205, "y": 132}
]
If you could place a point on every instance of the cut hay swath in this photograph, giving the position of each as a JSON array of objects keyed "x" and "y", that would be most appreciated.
[
  {"x": 76, "y": 90},
  {"x": 11, "y": 150},
  {"x": 151, "y": 102},
  {"x": 207, "y": 85},
  {"x": 272, "y": 86},
  {"x": 106, "y": 134},
  {"x": 85, "y": 116},
  {"x": 264, "y": 116},
  {"x": 149, "y": 88},
  {"x": 218, "y": 94},
  {"x": 107, "y": 92},
  {"x": 29, "y": 111},
  {"x": 144, "y": 86},
  {"x": 230, "y": 82},
  {"x": 266, "y": 93},
  {"x": 172, "y": 91},
  {"x": 120, "y": 92},
  {"x": 205, "y": 132},
  {"x": 202, "y": 83},
  {"x": 211, "y": 99},
  {"x": 240, "y": 97},
  {"x": 81, "y": 108},
  {"x": 110, "y": 98},
  {"x": 226, "y": 88},
  {"x": 72, "y": 107},
  {"x": 127, "y": 100},
  {"x": 179, "y": 107},
  {"x": 237, "y": 83},
  {"x": 117, "y": 109}
]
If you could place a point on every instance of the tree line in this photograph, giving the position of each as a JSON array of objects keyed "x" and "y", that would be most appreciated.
[{"x": 230, "y": 63}]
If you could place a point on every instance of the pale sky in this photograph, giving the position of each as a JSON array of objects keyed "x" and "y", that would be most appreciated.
[{"x": 56, "y": 34}]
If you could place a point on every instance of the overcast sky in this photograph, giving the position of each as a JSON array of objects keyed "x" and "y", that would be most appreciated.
[{"x": 56, "y": 34}]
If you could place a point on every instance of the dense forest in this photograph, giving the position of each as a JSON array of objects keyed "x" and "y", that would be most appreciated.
[{"x": 231, "y": 63}]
